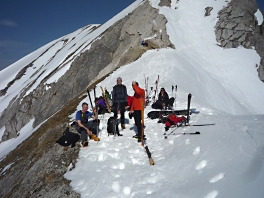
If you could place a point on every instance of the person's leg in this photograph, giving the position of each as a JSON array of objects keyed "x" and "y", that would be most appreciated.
[
  {"x": 137, "y": 117},
  {"x": 83, "y": 135},
  {"x": 122, "y": 112}
]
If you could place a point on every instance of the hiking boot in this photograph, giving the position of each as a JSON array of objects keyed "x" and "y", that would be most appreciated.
[
  {"x": 94, "y": 137},
  {"x": 123, "y": 126},
  {"x": 136, "y": 136},
  {"x": 139, "y": 139},
  {"x": 84, "y": 144}
]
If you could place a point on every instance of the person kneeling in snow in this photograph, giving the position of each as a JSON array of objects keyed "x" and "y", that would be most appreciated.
[
  {"x": 84, "y": 127},
  {"x": 174, "y": 120}
]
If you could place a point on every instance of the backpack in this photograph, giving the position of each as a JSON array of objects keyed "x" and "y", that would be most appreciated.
[
  {"x": 68, "y": 138},
  {"x": 111, "y": 126}
]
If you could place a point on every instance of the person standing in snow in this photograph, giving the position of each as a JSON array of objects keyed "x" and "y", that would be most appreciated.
[
  {"x": 119, "y": 99},
  {"x": 85, "y": 127},
  {"x": 136, "y": 108}
]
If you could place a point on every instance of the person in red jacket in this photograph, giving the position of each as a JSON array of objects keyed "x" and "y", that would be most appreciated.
[{"x": 137, "y": 106}]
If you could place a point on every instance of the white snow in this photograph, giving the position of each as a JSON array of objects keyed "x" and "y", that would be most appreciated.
[
  {"x": 225, "y": 160},
  {"x": 11, "y": 144},
  {"x": 259, "y": 17}
]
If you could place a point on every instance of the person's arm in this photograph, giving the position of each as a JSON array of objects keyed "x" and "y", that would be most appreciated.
[
  {"x": 166, "y": 96},
  {"x": 138, "y": 90},
  {"x": 86, "y": 129},
  {"x": 125, "y": 90},
  {"x": 113, "y": 95}
]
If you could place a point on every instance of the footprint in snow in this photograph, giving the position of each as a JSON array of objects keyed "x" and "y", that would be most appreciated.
[
  {"x": 212, "y": 194},
  {"x": 187, "y": 141},
  {"x": 196, "y": 151},
  {"x": 201, "y": 165},
  {"x": 127, "y": 190},
  {"x": 116, "y": 187},
  {"x": 217, "y": 178}
]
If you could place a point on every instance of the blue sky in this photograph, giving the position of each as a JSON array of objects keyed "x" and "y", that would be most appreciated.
[{"x": 27, "y": 25}]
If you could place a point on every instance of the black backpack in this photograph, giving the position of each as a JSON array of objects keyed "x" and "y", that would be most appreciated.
[
  {"x": 112, "y": 126},
  {"x": 68, "y": 138}
]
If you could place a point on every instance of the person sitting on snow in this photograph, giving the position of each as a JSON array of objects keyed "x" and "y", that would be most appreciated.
[
  {"x": 163, "y": 101},
  {"x": 144, "y": 43},
  {"x": 85, "y": 127}
]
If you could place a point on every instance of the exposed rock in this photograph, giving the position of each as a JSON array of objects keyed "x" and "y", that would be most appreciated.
[
  {"x": 165, "y": 3},
  {"x": 237, "y": 26},
  {"x": 208, "y": 11},
  {"x": 117, "y": 46}
]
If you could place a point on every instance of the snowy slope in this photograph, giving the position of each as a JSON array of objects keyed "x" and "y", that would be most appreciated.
[{"x": 225, "y": 160}]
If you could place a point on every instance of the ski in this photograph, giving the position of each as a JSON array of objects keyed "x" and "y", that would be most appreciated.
[
  {"x": 156, "y": 91},
  {"x": 89, "y": 97},
  {"x": 151, "y": 161},
  {"x": 201, "y": 124},
  {"x": 188, "y": 107},
  {"x": 142, "y": 121},
  {"x": 106, "y": 100},
  {"x": 172, "y": 133},
  {"x": 159, "y": 113}
]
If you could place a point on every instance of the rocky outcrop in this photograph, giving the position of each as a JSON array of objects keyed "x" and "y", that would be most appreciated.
[
  {"x": 208, "y": 11},
  {"x": 117, "y": 46},
  {"x": 37, "y": 167},
  {"x": 165, "y": 3},
  {"x": 237, "y": 26}
]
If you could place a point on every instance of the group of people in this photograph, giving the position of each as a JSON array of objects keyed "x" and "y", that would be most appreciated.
[{"x": 120, "y": 103}]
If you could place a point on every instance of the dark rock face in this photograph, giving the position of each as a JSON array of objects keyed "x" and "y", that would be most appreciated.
[
  {"x": 117, "y": 46},
  {"x": 237, "y": 26},
  {"x": 208, "y": 11},
  {"x": 37, "y": 168}
]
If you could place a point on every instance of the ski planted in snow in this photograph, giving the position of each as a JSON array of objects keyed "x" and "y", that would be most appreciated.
[
  {"x": 89, "y": 97},
  {"x": 142, "y": 121},
  {"x": 151, "y": 161},
  {"x": 188, "y": 108}
]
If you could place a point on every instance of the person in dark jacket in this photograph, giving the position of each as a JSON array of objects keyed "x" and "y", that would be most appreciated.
[
  {"x": 119, "y": 99},
  {"x": 163, "y": 101}
]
